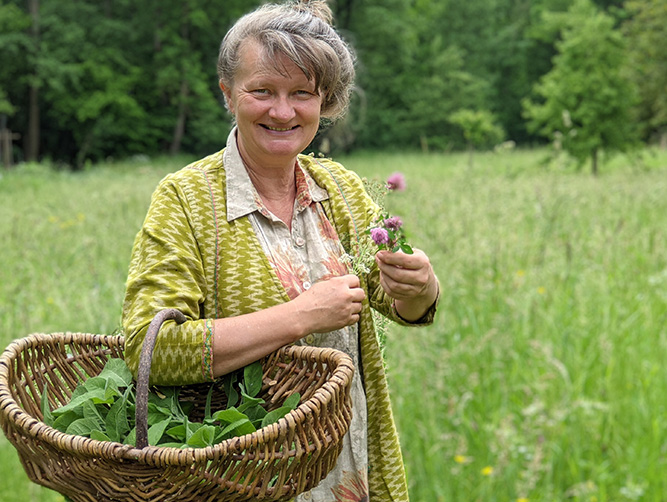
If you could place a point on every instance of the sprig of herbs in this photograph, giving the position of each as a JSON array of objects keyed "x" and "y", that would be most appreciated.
[
  {"x": 103, "y": 408},
  {"x": 387, "y": 233}
]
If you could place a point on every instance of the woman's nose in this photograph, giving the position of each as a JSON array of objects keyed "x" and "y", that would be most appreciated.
[{"x": 282, "y": 109}]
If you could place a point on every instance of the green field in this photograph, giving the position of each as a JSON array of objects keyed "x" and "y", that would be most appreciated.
[{"x": 543, "y": 378}]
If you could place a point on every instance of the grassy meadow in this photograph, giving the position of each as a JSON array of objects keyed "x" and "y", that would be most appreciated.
[{"x": 543, "y": 377}]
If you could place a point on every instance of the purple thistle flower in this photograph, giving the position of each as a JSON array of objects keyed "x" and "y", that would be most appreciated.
[
  {"x": 380, "y": 236},
  {"x": 396, "y": 182},
  {"x": 393, "y": 223}
]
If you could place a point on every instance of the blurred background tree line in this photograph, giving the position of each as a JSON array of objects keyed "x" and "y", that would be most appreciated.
[{"x": 85, "y": 80}]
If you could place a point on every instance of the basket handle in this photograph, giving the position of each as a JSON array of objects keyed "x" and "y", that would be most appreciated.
[{"x": 141, "y": 413}]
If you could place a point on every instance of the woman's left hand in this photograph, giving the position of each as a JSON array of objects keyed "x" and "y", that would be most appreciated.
[{"x": 409, "y": 279}]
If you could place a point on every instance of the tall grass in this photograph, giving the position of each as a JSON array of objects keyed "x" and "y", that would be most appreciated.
[{"x": 543, "y": 376}]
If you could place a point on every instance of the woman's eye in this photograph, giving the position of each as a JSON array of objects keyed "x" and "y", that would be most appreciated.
[{"x": 260, "y": 92}]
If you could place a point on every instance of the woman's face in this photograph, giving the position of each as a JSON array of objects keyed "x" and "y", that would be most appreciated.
[{"x": 277, "y": 115}]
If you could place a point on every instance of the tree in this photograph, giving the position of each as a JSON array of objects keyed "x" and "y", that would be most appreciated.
[
  {"x": 413, "y": 75},
  {"x": 14, "y": 42},
  {"x": 647, "y": 64},
  {"x": 479, "y": 128},
  {"x": 586, "y": 96}
]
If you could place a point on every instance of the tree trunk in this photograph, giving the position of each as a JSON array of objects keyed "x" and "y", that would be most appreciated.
[
  {"x": 595, "y": 162},
  {"x": 179, "y": 127},
  {"x": 32, "y": 138}
]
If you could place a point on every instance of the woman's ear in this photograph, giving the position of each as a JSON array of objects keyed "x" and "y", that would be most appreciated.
[{"x": 227, "y": 92}]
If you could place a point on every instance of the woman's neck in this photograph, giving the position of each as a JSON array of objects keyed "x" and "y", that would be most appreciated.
[
  {"x": 277, "y": 188},
  {"x": 274, "y": 185}
]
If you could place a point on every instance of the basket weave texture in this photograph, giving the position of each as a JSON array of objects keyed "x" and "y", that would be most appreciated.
[{"x": 275, "y": 463}]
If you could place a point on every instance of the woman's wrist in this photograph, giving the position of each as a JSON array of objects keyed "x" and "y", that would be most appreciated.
[{"x": 414, "y": 309}]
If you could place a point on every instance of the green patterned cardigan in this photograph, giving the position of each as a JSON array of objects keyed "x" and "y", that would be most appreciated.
[{"x": 188, "y": 256}]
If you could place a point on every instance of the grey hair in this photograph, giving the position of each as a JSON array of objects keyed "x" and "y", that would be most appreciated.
[{"x": 301, "y": 31}]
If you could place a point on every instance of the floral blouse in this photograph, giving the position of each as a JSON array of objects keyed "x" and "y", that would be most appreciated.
[{"x": 308, "y": 252}]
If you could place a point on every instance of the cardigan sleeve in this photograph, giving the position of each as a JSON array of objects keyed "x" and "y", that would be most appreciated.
[{"x": 166, "y": 271}]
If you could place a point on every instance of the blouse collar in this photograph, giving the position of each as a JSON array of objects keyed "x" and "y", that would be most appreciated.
[{"x": 241, "y": 195}]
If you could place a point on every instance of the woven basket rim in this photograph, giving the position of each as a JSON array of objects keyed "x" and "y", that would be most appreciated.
[{"x": 155, "y": 455}]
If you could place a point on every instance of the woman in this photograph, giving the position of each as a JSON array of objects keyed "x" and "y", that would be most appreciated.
[{"x": 250, "y": 243}]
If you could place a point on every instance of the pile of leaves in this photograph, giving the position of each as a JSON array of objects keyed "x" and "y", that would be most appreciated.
[{"x": 103, "y": 408}]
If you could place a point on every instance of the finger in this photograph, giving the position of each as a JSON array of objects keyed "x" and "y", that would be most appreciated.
[
  {"x": 352, "y": 280},
  {"x": 400, "y": 275},
  {"x": 400, "y": 259}
]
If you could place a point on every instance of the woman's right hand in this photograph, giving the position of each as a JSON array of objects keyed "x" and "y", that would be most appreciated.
[{"x": 330, "y": 304}]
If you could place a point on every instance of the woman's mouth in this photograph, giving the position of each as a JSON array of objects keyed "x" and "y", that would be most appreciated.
[{"x": 278, "y": 129}]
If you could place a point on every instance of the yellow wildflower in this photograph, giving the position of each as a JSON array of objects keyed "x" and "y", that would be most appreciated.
[
  {"x": 461, "y": 459},
  {"x": 487, "y": 471}
]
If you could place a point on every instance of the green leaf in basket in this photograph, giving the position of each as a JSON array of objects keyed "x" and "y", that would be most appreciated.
[
  {"x": 249, "y": 402},
  {"x": 156, "y": 431},
  {"x": 203, "y": 437},
  {"x": 62, "y": 422},
  {"x": 94, "y": 395},
  {"x": 234, "y": 421},
  {"x": 131, "y": 438},
  {"x": 108, "y": 386},
  {"x": 273, "y": 416},
  {"x": 167, "y": 398},
  {"x": 161, "y": 405},
  {"x": 184, "y": 431},
  {"x": 232, "y": 396},
  {"x": 117, "y": 424},
  {"x": 116, "y": 369},
  {"x": 207, "y": 408},
  {"x": 82, "y": 427},
  {"x": 228, "y": 416},
  {"x": 293, "y": 401},
  {"x": 47, "y": 417},
  {"x": 177, "y": 432},
  {"x": 91, "y": 411},
  {"x": 256, "y": 414},
  {"x": 99, "y": 436},
  {"x": 240, "y": 427},
  {"x": 157, "y": 414},
  {"x": 252, "y": 378}
]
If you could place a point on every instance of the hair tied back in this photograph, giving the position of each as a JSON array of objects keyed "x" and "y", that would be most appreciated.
[{"x": 317, "y": 8}]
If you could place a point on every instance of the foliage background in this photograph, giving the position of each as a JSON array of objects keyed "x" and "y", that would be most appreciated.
[{"x": 95, "y": 79}]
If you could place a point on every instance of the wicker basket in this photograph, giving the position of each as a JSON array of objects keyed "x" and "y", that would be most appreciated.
[{"x": 275, "y": 463}]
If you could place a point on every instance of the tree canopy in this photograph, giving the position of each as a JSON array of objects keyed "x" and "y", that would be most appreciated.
[
  {"x": 587, "y": 99},
  {"x": 93, "y": 79}
]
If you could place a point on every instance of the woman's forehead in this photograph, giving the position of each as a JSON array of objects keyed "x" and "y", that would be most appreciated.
[{"x": 257, "y": 63}]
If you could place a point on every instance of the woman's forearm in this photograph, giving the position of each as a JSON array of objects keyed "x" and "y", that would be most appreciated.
[
  {"x": 328, "y": 305},
  {"x": 241, "y": 340}
]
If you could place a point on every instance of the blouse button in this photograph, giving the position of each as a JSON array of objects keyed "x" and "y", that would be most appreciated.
[
  {"x": 306, "y": 285},
  {"x": 310, "y": 339},
  {"x": 299, "y": 241}
]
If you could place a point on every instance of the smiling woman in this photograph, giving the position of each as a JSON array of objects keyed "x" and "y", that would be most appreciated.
[
  {"x": 277, "y": 112},
  {"x": 251, "y": 243}
]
